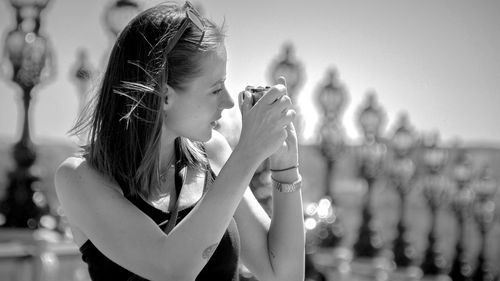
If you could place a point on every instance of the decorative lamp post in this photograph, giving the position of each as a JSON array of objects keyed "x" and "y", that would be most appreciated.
[
  {"x": 462, "y": 172},
  {"x": 118, "y": 14},
  {"x": 290, "y": 68},
  {"x": 402, "y": 175},
  {"x": 436, "y": 190},
  {"x": 292, "y": 71},
  {"x": 25, "y": 213},
  {"x": 82, "y": 75},
  {"x": 331, "y": 98},
  {"x": 404, "y": 139},
  {"x": 29, "y": 54},
  {"x": 371, "y": 155},
  {"x": 484, "y": 213},
  {"x": 371, "y": 119}
]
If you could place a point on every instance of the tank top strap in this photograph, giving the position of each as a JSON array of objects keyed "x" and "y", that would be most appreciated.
[
  {"x": 209, "y": 173},
  {"x": 209, "y": 177}
]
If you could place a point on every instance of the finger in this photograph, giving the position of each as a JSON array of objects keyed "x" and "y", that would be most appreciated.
[
  {"x": 290, "y": 115},
  {"x": 240, "y": 99},
  {"x": 284, "y": 136},
  {"x": 244, "y": 101},
  {"x": 292, "y": 135},
  {"x": 291, "y": 127},
  {"x": 274, "y": 93},
  {"x": 287, "y": 117},
  {"x": 283, "y": 103},
  {"x": 282, "y": 81}
]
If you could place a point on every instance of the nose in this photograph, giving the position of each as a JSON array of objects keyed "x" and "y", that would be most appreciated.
[{"x": 226, "y": 101}]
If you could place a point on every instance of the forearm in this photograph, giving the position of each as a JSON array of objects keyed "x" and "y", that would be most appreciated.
[
  {"x": 286, "y": 238},
  {"x": 195, "y": 238}
]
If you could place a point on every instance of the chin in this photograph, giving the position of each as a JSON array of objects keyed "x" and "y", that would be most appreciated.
[
  {"x": 204, "y": 136},
  {"x": 208, "y": 136}
]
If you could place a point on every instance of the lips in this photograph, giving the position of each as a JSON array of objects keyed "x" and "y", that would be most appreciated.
[{"x": 216, "y": 124}]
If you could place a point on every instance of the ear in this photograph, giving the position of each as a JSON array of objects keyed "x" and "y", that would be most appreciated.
[{"x": 169, "y": 93}]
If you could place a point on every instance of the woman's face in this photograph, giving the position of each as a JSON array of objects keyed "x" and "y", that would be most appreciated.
[{"x": 191, "y": 113}]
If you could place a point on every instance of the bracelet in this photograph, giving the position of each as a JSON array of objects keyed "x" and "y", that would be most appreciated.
[
  {"x": 285, "y": 169},
  {"x": 287, "y": 187}
]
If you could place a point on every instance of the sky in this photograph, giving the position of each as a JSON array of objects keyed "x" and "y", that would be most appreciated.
[{"x": 438, "y": 61}]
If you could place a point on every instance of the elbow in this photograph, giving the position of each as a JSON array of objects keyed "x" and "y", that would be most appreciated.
[
  {"x": 170, "y": 273},
  {"x": 160, "y": 272},
  {"x": 178, "y": 277},
  {"x": 178, "y": 272},
  {"x": 173, "y": 267}
]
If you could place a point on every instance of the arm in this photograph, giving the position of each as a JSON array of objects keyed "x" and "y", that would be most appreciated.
[
  {"x": 271, "y": 249},
  {"x": 131, "y": 239},
  {"x": 287, "y": 234}
]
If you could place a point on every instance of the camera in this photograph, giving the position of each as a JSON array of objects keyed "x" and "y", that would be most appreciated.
[{"x": 257, "y": 92}]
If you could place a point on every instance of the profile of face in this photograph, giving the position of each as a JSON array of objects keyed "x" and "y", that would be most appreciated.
[
  {"x": 165, "y": 77},
  {"x": 192, "y": 112}
]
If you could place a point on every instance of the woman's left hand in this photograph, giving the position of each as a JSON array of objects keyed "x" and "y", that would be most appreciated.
[{"x": 287, "y": 155}]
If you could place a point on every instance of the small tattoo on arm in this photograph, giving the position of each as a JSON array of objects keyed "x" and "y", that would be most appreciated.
[
  {"x": 272, "y": 254},
  {"x": 207, "y": 253}
]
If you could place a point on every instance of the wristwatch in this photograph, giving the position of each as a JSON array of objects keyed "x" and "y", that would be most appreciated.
[{"x": 287, "y": 187}]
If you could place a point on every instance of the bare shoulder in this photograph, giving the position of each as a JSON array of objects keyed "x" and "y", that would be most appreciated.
[
  {"x": 85, "y": 195},
  {"x": 218, "y": 150},
  {"x": 69, "y": 173},
  {"x": 74, "y": 175}
]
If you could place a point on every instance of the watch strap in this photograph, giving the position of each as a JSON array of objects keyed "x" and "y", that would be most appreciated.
[{"x": 287, "y": 187}]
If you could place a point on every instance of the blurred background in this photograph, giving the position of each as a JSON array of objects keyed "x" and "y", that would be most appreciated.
[{"x": 397, "y": 104}]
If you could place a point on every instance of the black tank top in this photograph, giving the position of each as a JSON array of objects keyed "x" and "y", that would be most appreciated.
[{"x": 223, "y": 265}]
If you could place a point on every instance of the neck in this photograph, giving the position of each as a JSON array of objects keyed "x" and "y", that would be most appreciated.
[{"x": 167, "y": 151}]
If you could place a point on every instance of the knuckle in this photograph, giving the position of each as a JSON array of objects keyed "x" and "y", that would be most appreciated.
[
  {"x": 286, "y": 99},
  {"x": 281, "y": 87}
]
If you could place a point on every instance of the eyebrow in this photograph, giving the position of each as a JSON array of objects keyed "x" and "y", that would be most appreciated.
[{"x": 222, "y": 80}]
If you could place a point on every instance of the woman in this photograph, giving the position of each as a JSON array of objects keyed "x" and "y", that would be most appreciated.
[{"x": 158, "y": 194}]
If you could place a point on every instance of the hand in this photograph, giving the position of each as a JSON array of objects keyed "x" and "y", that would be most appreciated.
[
  {"x": 287, "y": 154},
  {"x": 264, "y": 125}
]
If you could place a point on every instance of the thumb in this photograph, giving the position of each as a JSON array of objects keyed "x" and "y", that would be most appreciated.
[
  {"x": 282, "y": 81},
  {"x": 292, "y": 135},
  {"x": 244, "y": 99}
]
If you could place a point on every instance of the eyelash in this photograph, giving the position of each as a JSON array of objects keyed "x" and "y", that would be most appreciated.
[{"x": 218, "y": 91}]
